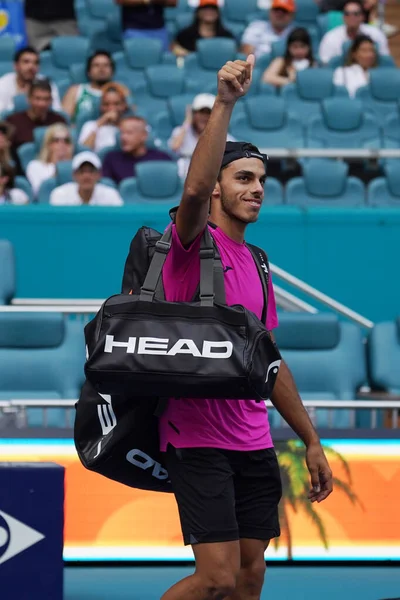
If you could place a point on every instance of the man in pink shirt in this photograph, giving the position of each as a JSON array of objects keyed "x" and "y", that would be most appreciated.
[{"x": 219, "y": 453}]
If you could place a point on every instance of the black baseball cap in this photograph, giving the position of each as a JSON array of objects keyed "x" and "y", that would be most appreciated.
[{"x": 237, "y": 150}]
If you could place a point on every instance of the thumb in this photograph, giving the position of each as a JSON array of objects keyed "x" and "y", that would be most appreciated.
[{"x": 251, "y": 60}]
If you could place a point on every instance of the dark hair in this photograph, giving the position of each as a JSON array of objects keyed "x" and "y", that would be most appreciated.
[
  {"x": 41, "y": 85},
  {"x": 219, "y": 28},
  {"x": 297, "y": 35},
  {"x": 360, "y": 39},
  {"x": 95, "y": 55},
  {"x": 7, "y": 170},
  {"x": 26, "y": 50},
  {"x": 358, "y": 2}
]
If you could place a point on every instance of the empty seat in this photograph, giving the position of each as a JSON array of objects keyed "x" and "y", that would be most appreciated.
[
  {"x": 163, "y": 82},
  {"x": 325, "y": 183},
  {"x": 23, "y": 184},
  {"x": 273, "y": 193},
  {"x": 7, "y": 48},
  {"x": 391, "y": 125},
  {"x": 41, "y": 358},
  {"x": 7, "y": 272},
  {"x": 201, "y": 67},
  {"x": 384, "y": 356},
  {"x": 382, "y": 93},
  {"x": 155, "y": 181},
  {"x": 307, "y": 12},
  {"x": 101, "y": 9},
  {"x": 326, "y": 357},
  {"x": 385, "y": 191},
  {"x": 343, "y": 124},
  {"x": 66, "y": 50}
]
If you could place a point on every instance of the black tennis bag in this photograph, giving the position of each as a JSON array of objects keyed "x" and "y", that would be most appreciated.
[{"x": 141, "y": 346}]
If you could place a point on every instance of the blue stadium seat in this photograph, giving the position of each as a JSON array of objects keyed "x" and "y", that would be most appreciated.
[
  {"x": 163, "y": 82},
  {"x": 382, "y": 93},
  {"x": 343, "y": 124},
  {"x": 65, "y": 51},
  {"x": 201, "y": 66},
  {"x": 391, "y": 125},
  {"x": 7, "y": 48},
  {"x": 155, "y": 182},
  {"x": 327, "y": 359},
  {"x": 307, "y": 12},
  {"x": 6, "y": 67},
  {"x": 239, "y": 11},
  {"x": 173, "y": 116},
  {"x": 20, "y": 102},
  {"x": 273, "y": 195},
  {"x": 265, "y": 122},
  {"x": 7, "y": 272},
  {"x": 385, "y": 191},
  {"x": 41, "y": 357},
  {"x": 384, "y": 356},
  {"x": 26, "y": 153},
  {"x": 384, "y": 61},
  {"x": 102, "y": 40},
  {"x": 325, "y": 183},
  {"x": 183, "y": 20},
  {"x": 305, "y": 95},
  {"x": 23, "y": 184},
  {"x": 101, "y": 9}
]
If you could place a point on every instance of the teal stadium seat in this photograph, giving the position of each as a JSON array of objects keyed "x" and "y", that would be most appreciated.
[
  {"x": 266, "y": 123},
  {"x": 162, "y": 82},
  {"x": 307, "y": 12},
  {"x": 41, "y": 358},
  {"x": 7, "y": 272},
  {"x": 201, "y": 66},
  {"x": 343, "y": 124},
  {"x": 20, "y": 102},
  {"x": 384, "y": 356},
  {"x": 273, "y": 195},
  {"x": 327, "y": 359},
  {"x": 304, "y": 96},
  {"x": 65, "y": 51},
  {"x": 235, "y": 14},
  {"x": 23, "y": 184},
  {"x": 156, "y": 182},
  {"x": 7, "y": 48},
  {"x": 325, "y": 183},
  {"x": 384, "y": 61},
  {"x": 173, "y": 115},
  {"x": 6, "y": 66},
  {"x": 385, "y": 191},
  {"x": 382, "y": 94}
]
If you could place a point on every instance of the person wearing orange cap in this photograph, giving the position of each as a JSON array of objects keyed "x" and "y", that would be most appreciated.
[
  {"x": 206, "y": 24},
  {"x": 260, "y": 35}
]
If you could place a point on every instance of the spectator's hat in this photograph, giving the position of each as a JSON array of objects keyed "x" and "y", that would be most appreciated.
[
  {"x": 202, "y": 101},
  {"x": 86, "y": 157},
  {"x": 288, "y": 5},
  {"x": 208, "y": 4}
]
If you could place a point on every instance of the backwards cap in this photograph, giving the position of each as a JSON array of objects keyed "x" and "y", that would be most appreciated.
[{"x": 237, "y": 150}]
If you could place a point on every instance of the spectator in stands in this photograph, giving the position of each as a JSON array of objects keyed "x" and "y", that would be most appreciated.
[
  {"x": 39, "y": 114},
  {"x": 8, "y": 193},
  {"x": 86, "y": 188},
  {"x": 5, "y": 143},
  {"x": 332, "y": 42},
  {"x": 103, "y": 132},
  {"x": 46, "y": 19},
  {"x": 145, "y": 19},
  {"x": 120, "y": 164},
  {"x": 26, "y": 66},
  {"x": 361, "y": 58},
  {"x": 298, "y": 56},
  {"x": 260, "y": 35},
  {"x": 206, "y": 24},
  {"x": 100, "y": 70},
  {"x": 57, "y": 146}
]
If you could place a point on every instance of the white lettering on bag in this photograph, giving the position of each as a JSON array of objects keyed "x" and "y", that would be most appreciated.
[
  {"x": 159, "y": 346},
  {"x": 144, "y": 461},
  {"x": 107, "y": 418}
]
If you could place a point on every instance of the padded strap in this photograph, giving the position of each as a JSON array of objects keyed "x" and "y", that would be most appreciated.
[
  {"x": 261, "y": 260},
  {"x": 153, "y": 276}
]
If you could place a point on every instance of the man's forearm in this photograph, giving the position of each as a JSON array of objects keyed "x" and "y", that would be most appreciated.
[{"x": 287, "y": 401}]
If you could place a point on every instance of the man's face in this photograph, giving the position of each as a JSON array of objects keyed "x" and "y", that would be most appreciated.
[
  {"x": 240, "y": 190},
  {"x": 86, "y": 177},
  {"x": 133, "y": 135},
  {"x": 200, "y": 119},
  {"x": 280, "y": 18},
  {"x": 40, "y": 103},
  {"x": 27, "y": 67},
  {"x": 101, "y": 70},
  {"x": 353, "y": 15}
]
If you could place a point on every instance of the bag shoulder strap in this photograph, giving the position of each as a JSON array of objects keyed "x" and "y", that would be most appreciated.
[{"x": 262, "y": 264}]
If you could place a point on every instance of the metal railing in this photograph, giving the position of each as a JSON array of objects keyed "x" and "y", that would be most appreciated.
[{"x": 373, "y": 154}]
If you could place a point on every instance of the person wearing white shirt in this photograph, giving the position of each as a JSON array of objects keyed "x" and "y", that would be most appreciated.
[
  {"x": 102, "y": 133},
  {"x": 259, "y": 36},
  {"x": 332, "y": 42},
  {"x": 361, "y": 58},
  {"x": 57, "y": 146},
  {"x": 26, "y": 65},
  {"x": 86, "y": 188},
  {"x": 8, "y": 193}
]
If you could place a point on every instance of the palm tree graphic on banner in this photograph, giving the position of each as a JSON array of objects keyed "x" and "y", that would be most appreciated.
[{"x": 296, "y": 481}]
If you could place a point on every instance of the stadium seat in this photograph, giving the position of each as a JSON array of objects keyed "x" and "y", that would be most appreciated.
[
  {"x": 162, "y": 82},
  {"x": 304, "y": 96},
  {"x": 65, "y": 51},
  {"x": 101, "y": 9},
  {"x": 6, "y": 66},
  {"x": 382, "y": 93},
  {"x": 384, "y": 61},
  {"x": 23, "y": 184},
  {"x": 41, "y": 357},
  {"x": 26, "y": 153},
  {"x": 273, "y": 195},
  {"x": 384, "y": 356},
  {"x": 20, "y": 102},
  {"x": 7, "y": 48},
  {"x": 307, "y": 12},
  {"x": 155, "y": 182},
  {"x": 385, "y": 191},
  {"x": 238, "y": 11},
  {"x": 265, "y": 122},
  {"x": 201, "y": 66},
  {"x": 173, "y": 115},
  {"x": 7, "y": 272},
  {"x": 325, "y": 183},
  {"x": 327, "y": 359},
  {"x": 343, "y": 124},
  {"x": 391, "y": 125}
]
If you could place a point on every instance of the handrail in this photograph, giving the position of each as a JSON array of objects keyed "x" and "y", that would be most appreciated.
[
  {"x": 355, "y": 153},
  {"x": 291, "y": 303},
  {"x": 56, "y": 302}
]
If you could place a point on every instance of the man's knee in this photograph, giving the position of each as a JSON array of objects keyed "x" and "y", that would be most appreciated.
[
  {"x": 220, "y": 584},
  {"x": 252, "y": 577}
]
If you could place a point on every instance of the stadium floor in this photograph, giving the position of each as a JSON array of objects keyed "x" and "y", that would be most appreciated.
[{"x": 283, "y": 583}]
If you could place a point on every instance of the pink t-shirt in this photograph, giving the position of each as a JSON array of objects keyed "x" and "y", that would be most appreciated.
[{"x": 228, "y": 424}]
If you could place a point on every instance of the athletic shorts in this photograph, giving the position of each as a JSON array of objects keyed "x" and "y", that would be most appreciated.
[{"x": 225, "y": 495}]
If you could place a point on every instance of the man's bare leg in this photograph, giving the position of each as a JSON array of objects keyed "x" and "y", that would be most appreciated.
[{"x": 252, "y": 570}]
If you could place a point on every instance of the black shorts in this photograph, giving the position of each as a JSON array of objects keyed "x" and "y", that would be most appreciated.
[{"x": 225, "y": 495}]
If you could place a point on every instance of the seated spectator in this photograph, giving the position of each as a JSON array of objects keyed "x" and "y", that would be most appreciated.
[
  {"x": 361, "y": 58},
  {"x": 145, "y": 19},
  {"x": 8, "y": 193},
  {"x": 39, "y": 114},
  {"x": 120, "y": 164},
  {"x": 103, "y": 132},
  {"x": 100, "y": 70},
  {"x": 184, "y": 139},
  {"x": 86, "y": 188},
  {"x": 57, "y": 146},
  {"x": 5, "y": 143},
  {"x": 332, "y": 42},
  {"x": 298, "y": 56},
  {"x": 46, "y": 19},
  {"x": 26, "y": 66},
  {"x": 206, "y": 24},
  {"x": 260, "y": 35}
]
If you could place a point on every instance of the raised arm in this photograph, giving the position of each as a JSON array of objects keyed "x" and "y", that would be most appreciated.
[{"x": 234, "y": 80}]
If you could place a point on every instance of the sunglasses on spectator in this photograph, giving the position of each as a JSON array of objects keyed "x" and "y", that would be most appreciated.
[
  {"x": 352, "y": 13},
  {"x": 67, "y": 140}
]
